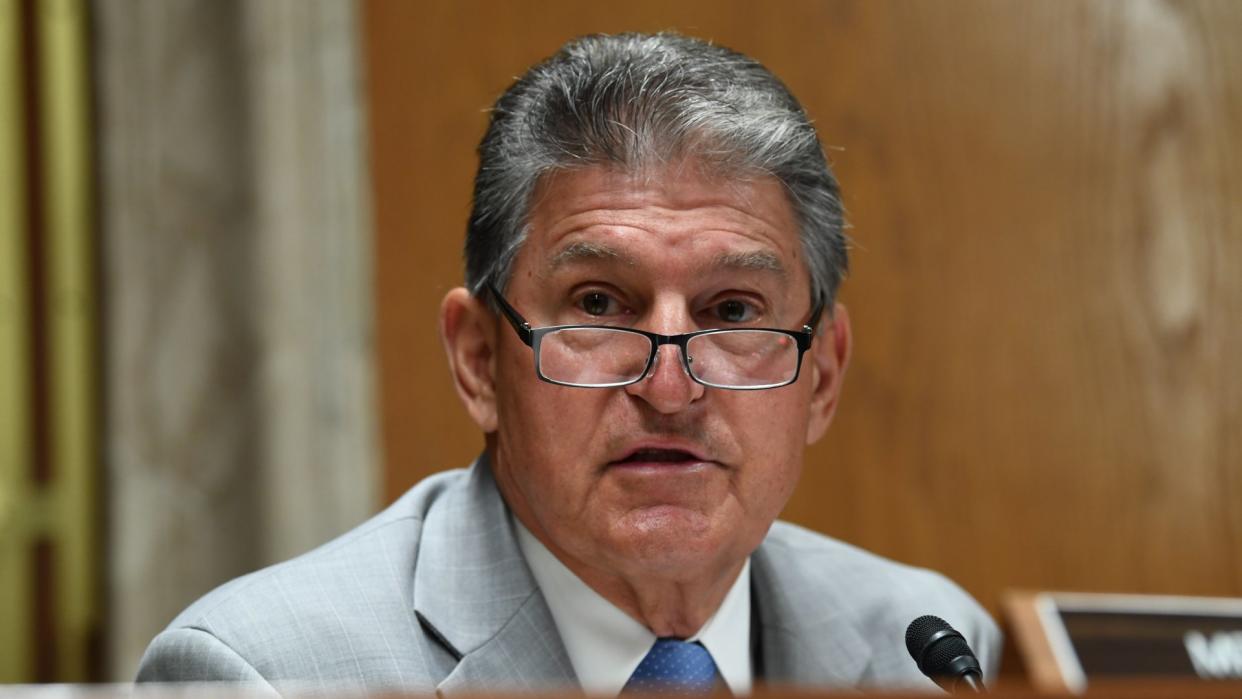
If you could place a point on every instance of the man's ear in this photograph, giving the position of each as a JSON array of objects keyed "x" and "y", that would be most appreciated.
[
  {"x": 830, "y": 355},
  {"x": 468, "y": 331}
]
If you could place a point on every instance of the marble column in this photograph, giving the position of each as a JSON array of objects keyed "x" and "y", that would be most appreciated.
[{"x": 240, "y": 422}]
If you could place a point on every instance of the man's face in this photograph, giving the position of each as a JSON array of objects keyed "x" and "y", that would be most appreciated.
[{"x": 665, "y": 477}]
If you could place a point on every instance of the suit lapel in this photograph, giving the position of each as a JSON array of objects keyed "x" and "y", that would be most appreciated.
[
  {"x": 525, "y": 655},
  {"x": 806, "y": 636},
  {"x": 472, "y": 587}
]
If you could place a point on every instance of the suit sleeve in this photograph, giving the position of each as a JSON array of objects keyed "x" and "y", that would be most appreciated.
[
  {"x": 987, "y": 642},
  {"x": 195, "y": 655},
  {"x": 966, "y": 615},
  {"x": 945, "y": 599}
]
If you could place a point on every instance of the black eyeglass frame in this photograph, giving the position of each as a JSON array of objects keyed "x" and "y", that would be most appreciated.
[{"x": 532, "y": 337}]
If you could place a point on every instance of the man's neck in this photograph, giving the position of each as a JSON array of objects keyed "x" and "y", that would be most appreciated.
[{"x": 669, "y": 607}]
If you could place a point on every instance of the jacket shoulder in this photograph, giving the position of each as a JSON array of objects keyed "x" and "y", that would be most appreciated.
[
  {"x": 339, "y": 614},
  {"x": 823, "y": 578}
]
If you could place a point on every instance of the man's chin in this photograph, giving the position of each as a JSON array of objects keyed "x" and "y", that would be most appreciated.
[{"x": 668, "y": 540}]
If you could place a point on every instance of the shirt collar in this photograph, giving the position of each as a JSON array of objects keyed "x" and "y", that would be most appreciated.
[{"x": 605, "y": 644}]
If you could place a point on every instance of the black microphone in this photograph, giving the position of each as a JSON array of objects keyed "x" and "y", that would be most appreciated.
[{"x": 943, "y": 654}]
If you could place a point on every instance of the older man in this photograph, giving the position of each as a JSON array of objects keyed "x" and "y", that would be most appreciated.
[{"x": 648, "y": 338}]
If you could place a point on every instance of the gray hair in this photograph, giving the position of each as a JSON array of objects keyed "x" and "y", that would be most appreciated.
[{"x": 641, "y": 100}]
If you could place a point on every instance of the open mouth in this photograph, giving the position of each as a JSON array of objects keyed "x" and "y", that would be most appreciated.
[{"x": 659, "y": 456}]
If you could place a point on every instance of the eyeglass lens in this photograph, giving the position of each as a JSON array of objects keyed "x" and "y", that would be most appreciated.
[
  {"x": 607, "y": 356},
  {"x": 743, "y": 358}
]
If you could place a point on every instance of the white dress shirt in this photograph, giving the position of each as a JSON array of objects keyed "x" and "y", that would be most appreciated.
[{"x": 605, "y": 644}]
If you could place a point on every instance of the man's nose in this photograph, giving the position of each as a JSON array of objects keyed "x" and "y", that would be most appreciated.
[{"x": 667, "y": 386}]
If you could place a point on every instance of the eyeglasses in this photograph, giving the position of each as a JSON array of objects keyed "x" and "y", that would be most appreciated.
[{"x": 601, "y": 356}]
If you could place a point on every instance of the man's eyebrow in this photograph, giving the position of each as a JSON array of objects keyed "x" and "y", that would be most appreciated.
[
  {"x": 753, "y": 260},
  {"x": 586, "y": 251}
]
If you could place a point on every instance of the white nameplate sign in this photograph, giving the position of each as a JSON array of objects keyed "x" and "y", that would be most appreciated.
[{"x": 1102, "y": 636}]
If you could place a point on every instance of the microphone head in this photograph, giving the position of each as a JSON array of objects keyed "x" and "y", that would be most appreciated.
[{"x": 940, "y": 651}]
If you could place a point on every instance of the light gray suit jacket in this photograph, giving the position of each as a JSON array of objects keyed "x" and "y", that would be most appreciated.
[{"x": 433, "y": 595}]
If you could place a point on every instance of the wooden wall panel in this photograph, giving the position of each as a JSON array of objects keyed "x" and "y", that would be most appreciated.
[{"x": 1046, "y": 293}]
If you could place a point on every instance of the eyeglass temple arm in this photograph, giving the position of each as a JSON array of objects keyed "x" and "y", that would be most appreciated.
[
  {"x": 510, "y": 313},
  {"x": 813, "y": 321}
]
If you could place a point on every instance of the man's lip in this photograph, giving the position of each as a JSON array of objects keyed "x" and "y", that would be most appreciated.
[{"x": 693, "y": 452}]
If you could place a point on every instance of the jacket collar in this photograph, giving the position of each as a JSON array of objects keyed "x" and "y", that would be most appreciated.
[{"x": 473, "y": 589}]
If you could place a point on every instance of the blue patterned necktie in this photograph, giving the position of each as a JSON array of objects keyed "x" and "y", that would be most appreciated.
[{"x": 674, "y": 666}]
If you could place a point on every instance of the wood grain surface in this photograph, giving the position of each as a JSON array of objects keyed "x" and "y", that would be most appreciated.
[{"x": 1045, "y": 200}]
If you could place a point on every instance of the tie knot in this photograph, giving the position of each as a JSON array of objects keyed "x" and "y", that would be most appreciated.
[{"x": 673, "y": 665}]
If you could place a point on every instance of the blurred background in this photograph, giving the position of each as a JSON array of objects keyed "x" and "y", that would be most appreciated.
[{"x": 226, "y": 226}]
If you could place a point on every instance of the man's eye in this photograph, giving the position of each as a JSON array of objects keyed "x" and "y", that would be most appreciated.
[
  {"x": 734, "y": 311},
  {"x": 596, "y": 303}
]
